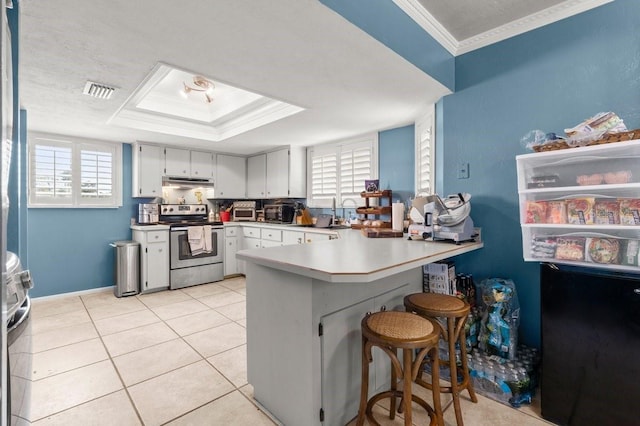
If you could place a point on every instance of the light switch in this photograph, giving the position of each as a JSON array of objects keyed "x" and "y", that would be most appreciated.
[{"x": 463, "y": 170}]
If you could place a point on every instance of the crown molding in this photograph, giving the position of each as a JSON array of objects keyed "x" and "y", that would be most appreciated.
[
  {"x": 428, "y": 23},
  {"x": 528, "y": 23},
  {"x": 531, "y": 22}
]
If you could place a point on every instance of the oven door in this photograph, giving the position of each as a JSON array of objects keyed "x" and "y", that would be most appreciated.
[
  {"x": 180, "y": 249},
  {"x": 244, "y": 214}
]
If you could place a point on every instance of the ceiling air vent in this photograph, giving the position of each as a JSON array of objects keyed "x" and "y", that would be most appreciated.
[{"x": 97, "y": 90}]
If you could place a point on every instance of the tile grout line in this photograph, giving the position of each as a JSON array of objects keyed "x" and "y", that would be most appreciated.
[{"x": 92, "y": 321}]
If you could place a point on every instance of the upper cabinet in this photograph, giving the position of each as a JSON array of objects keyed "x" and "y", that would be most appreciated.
[
  {"x": 231, "y": 176},
  {"x": 188, "y": 164},
  {"x": 256, "y": 176},
  {"x": 147, "y": 170},
  {"x": 177, "y": 162},
  {"x": 581, "y": 206},
  {"x": 278, "y": 174},
  {"x": 202, "y": 165}
]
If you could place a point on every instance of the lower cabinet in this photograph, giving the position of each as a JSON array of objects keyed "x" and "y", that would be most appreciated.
[
  {"x": 230, "y": 249},
  {"x": 154, "y": 259},
  {"x": 341, "y": 343}
]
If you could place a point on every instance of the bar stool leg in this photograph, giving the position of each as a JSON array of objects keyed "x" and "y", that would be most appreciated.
[
  {"x": 394, "y": 387},
  {"x": 465, "y": 368},
  {"x": 407, "y": 355},
  {"x": 453, "y": 369},
  {"x": 435, "y": 378},
  {"x": 364, "y": 387}
]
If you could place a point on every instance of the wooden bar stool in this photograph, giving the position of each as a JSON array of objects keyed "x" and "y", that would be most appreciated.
[
  {"x": 454, "y": 311},
  {"x": 390, "y": 331}
]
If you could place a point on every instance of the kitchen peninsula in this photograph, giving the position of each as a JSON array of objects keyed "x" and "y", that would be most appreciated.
[{"x": 304, "y": 307}]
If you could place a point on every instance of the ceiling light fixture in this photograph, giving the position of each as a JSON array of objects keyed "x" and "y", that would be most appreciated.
[{"x": 202, "y": 85}]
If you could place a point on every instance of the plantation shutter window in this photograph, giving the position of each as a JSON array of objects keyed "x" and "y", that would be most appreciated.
[
  {"x": 324, "y": 175},
  {"x": 425, "y": 141},
  {"x": 96, "y": 168},
  {"x": 355, "y": 168},
  {"x": 338, "y": 170},
  {"x": 74, "y": 173},
  {"x": 51, "y": 173}
]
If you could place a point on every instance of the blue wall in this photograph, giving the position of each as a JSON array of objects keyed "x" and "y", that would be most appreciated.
[
  {"x": 69, "y": 248},
  {"x": 387, "y": 23},
  {"x": 396, "y": 150},
  {"x": 549, "y": 79}
]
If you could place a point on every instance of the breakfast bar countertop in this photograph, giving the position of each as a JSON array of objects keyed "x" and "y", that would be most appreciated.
[{"x": 355, "y": 258}]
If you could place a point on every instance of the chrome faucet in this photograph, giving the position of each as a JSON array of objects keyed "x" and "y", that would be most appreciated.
[
  {"x": 355, "y": 205},
  {"x": 333, "y": 211}
]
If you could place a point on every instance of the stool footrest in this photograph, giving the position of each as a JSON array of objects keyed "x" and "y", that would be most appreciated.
[{"x": 398, "y": 394}]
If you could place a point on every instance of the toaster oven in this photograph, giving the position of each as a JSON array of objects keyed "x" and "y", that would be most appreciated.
[
  {"x": 244, "y": 211},
  {"x": 279, "y": 213}
]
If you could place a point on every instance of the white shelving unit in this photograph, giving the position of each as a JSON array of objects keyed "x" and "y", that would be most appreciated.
[{"x": 600, "y": 174}]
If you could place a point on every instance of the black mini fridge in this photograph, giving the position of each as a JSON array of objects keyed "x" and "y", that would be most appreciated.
[{"x": 590, "y": 346}]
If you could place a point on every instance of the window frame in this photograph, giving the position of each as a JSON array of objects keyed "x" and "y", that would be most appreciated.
[
  {"x": 77, "y": 146},
  {"x": 369, "y": 141},
  {"x": 426, "y": 121}
]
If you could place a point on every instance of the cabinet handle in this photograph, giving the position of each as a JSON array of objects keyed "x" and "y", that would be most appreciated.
[{"x": 159, "y": 250}]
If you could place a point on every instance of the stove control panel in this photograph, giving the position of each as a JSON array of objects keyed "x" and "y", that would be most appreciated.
[{"x": 183, "y": 209}]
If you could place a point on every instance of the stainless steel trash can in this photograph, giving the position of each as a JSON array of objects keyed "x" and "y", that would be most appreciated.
[{"x": 127, "y": 268}]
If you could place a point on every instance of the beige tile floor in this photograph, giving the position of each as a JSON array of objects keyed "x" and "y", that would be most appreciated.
[{"x": 170, "y": 358}]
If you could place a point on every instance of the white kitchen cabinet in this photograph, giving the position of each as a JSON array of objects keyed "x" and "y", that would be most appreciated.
[
  {"x": 581, "y": 206},
  {"x": 177, "y": 162},
  {"x": 202, "y": 165},
  {"x": 310, "y": 237},
  {"x": 231, "y": 176},
  {"x": 154, "y": 259},
  {"x": 147, "y": 169},
  {"x": 292, "y": 237},
  {"x": 342, "y": 356},
  {"x": 257, "y": 176},
  {"x": 277, "y": 174},
  {"x": 230, "y": 250}
]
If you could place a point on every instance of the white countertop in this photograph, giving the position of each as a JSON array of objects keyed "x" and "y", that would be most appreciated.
[
  {"x": 286, "y": 227},
  {"x": 354, "y": 257},
  {"x": 149, "y": 227}
]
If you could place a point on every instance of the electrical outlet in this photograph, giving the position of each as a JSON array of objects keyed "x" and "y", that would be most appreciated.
[{"x": 463, "y": 170}]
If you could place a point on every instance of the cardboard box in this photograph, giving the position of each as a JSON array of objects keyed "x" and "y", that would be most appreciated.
[{"x": 440, "y": 277}]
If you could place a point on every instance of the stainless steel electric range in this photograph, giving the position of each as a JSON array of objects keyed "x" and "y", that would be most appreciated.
[{"x": 196, "y": 246}]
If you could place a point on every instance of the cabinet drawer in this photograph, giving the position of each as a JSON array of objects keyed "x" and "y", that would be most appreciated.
[
  {"x": 267, "y": 243},
  {"x": 271, "y": 234},
  {"x": 230, "y": 231},
  {"x": 157, "y": 236},
  {"x": 251, "y": 232}
]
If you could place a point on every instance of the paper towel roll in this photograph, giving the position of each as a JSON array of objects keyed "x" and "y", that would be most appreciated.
[{"x": 397, "y": 216}]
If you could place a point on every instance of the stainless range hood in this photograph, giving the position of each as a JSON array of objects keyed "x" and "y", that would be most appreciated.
[{"x": 186, "y": 183}]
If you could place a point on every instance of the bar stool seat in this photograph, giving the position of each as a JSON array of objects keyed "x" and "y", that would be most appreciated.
[
  {"x": 454, "y": 311},
  {"x": 390, "y": 331}
]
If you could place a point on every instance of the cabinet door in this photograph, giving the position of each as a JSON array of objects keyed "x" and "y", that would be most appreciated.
[
  {"x": 157, "y": 266},
  {"x": 201, "y": 164},
  {"x": 310, "y": 237},
  {"x": 231, "y": 180},
  {"x": 177, "y": 162},
  {"x": 256, "y": 175},
  {"x": 230, "y": 261},
  {"x": 341, "y": 342},
  {"x": 148, "y": 166},
  {"x": 269, "y": 243},
  {"x": 292, "y": 237},
  {"x": 278, "y": 173}
]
